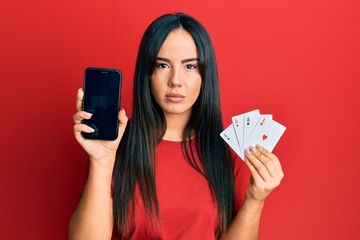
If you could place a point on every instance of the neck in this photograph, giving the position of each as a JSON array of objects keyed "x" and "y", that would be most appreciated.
[{"x": 175, "y": 126}]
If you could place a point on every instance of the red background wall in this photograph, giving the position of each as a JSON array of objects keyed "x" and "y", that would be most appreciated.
[{"x": 298, "y": 60}]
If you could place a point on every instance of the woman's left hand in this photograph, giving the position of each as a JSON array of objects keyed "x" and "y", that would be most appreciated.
[{"x": 266, "y": 172}]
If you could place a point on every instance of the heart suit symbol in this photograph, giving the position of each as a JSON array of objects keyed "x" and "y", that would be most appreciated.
[{"x": 264, "y": 137}]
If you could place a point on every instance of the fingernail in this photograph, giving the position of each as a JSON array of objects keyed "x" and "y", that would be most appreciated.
[
  {"x": 247, "y": 152},
  {"x": 259, "y": 147},
  {"x": 124, "y": 111},
  {"x": 91, "y": 130},
  {"x": 88, "y": 114},
  {"x": 253, "y": 149}
]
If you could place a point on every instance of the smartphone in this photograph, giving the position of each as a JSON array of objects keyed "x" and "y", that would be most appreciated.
[{"x": 102, "y": 90}]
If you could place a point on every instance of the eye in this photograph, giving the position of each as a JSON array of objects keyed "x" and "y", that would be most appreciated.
[
  {"x": 190, "y": 66},
  {"x": 161, "y": 65}
]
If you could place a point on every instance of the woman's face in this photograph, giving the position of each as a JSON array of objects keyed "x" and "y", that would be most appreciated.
[{"x": 176, "y": 80}]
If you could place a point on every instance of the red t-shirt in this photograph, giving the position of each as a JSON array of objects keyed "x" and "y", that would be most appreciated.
[{"x": 187, "y": 210}]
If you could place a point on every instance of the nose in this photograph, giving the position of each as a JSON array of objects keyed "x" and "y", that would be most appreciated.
[{"x": 175, "y": 78}]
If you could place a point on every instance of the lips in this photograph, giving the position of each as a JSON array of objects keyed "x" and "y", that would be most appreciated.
[{"x": 174, "y": 97}]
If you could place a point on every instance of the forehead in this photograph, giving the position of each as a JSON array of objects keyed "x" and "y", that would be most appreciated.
[{"x": 179, "y": 44}]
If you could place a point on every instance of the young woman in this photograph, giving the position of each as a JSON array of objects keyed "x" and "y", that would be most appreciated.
[{"x": 169, "y": 175}]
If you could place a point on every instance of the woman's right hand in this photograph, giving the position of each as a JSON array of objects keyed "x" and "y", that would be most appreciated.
[{"x": 96, "y": 149}]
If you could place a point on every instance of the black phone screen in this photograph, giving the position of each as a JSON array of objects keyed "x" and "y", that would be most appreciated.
[{"x": 102, "y": 98}]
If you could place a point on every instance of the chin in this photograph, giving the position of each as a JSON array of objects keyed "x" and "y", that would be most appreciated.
[{"x": 177, "y": 111}]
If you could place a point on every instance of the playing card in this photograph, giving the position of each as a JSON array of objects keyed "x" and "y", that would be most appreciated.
[
  {"x": 266, "y": 133},
  {"x": 238, "y": 123},
  {"x": 250, "y": 121},
  {"x": 229, "y": 136}
]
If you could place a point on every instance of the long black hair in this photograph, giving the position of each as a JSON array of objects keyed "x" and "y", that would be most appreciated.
[{"x": 136, "y": 153}]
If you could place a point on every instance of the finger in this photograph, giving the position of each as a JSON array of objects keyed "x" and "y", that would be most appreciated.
[
  {"x": 267, "y": 162},
  {"x": 255, "y": 176},
  {"x": 123, "y": 119},
  {"x": 273, "y": 158},
  {"x": 258, "y": 165},
  {"x": 78, "y": 128},
  {"x": 275, "y": 176},
  {"x": 81, "y": 115},
  {"x": 79, "y": 99}
]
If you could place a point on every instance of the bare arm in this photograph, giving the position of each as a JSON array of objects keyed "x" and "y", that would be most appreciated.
[
  {"x": 266, "y": 175},
  {"x": 93, "y": 218}
]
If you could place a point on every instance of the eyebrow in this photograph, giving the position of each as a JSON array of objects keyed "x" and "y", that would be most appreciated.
[{"x": 182, "y": 61}]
